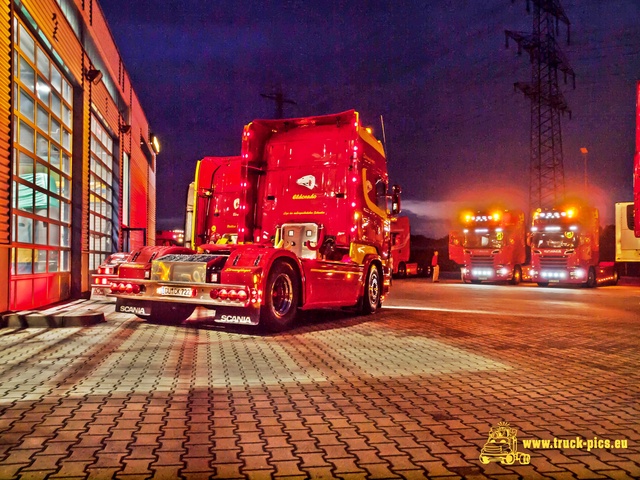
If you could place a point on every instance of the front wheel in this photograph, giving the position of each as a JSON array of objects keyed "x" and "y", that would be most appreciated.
[
  {"x": 169, "y": 313},
  {"x": 372, "y": 291},
  {"x": 281, "y": 298},
  {"x": 402, "y": 270},
  {"x": 591, "y": 278},
  {"x": 517, "y": 275}
]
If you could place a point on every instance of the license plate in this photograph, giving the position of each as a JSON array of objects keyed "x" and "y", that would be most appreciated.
[{"x": 176, "y": 291}]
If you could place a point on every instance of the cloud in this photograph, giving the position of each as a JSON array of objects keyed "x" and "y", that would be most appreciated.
[
  {"x": 431, "y": 218},
  {"x": 431, "y": 210}
]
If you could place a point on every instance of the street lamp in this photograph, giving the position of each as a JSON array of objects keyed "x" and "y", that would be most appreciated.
[{"x": 585, "y": 153}]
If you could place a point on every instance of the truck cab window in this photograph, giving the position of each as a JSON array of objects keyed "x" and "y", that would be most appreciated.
[
  {"x": 381, "y": 195},
  {"x": 554, "y": 240},
  {"x": 487, "y": 239}
]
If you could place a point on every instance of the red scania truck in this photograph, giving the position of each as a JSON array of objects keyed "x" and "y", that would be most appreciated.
[
  {"x": 490, "y": 246},
  {"x": 401, "y": 248},
  {"x": 565, "y": 247},
  {"x": 312, "y": 230}
]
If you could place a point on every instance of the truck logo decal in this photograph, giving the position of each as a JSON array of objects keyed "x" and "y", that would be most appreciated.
[
  {"x": 502, "y": 446},
  {"x": 236, "y": 203},
  {"x": 299, "y": 196},
  {"x": 308, "y": 181},
  {"x": 135, "y": 310},
  {"x": 235, "y": 318}
]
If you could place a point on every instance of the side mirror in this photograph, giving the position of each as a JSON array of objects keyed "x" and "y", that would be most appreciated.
[{"x": 395, "y": 200}]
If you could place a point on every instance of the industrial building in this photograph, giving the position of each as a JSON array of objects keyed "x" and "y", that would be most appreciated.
[{"x": 77, "y": 155}]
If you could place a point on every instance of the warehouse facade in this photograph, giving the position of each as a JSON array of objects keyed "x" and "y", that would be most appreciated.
[{"x": 77, "y": 157}]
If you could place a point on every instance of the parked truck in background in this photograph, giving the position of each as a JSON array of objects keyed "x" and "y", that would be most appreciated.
[
  {"x": 313, "y": 231},
  {"x": 565, "y": 247},
  {"x": 170, "y": 237},
  {"x": 401, "y": 248},
  {"x": 490, "y": 246}
]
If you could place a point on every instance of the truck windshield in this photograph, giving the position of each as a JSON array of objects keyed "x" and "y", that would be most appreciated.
[
  {"x": 554, "y": 240},
  {"x": 487, "y": 239}
]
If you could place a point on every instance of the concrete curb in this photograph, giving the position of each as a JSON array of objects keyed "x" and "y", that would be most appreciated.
[{"x": 79, "y": 317}]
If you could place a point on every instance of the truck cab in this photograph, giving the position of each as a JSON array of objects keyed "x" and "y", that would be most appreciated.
[
  {"x": 401, "y": 248},
  {"x": 565, "y": 247},
  {"x": 491, "y": 246}
]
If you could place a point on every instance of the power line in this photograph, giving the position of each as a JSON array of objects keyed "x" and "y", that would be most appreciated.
[
  {"x": 546, "y": 171},
  {"x": 280, "y": 100}
]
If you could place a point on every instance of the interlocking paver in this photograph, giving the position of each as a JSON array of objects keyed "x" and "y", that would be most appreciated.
[
  {"x": 401, "y": 397},
  {"x": 617, "y": 475}
]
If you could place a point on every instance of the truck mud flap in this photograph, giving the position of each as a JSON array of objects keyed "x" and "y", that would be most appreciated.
[
  {"x": 234, "y": 315},
  {"x": 132, "y": 306},
  {"x": 219, "y": 314}
]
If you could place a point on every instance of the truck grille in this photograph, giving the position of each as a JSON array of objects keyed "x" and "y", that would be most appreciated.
[
  {"x": 482, "y": 262},
  {"x": 553, "y": 263}
]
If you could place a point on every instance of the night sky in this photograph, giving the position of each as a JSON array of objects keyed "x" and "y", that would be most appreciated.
[{"x": 439, "y": 74}]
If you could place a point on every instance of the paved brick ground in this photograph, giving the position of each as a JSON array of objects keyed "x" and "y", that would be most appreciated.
[{"x": 403, "y": 394}]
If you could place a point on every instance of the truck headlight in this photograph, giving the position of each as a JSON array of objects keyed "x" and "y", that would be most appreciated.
[{"x": 579, "y": 273}]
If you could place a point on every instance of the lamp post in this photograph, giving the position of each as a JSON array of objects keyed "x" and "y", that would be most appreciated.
[{"x": 585, "y": 153}]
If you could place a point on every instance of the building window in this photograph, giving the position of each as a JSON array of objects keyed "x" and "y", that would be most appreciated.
[
  {"x": 41, "y": 188},
  {"x": 126, "y": 190},
  {"x": 100, "y": 194}
]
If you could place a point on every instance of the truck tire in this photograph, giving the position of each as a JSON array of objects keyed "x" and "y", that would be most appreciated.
[
  {"x": 167, "y": 313},
  {"x": 372, "y": 290},
  {"x": 281, "y": 298},
  {"x": 616, "y": 277},
  {"x": 591, "y": 278},
  {"x": 516, "y": 278},
  {"x": 402, "y": 270}
]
